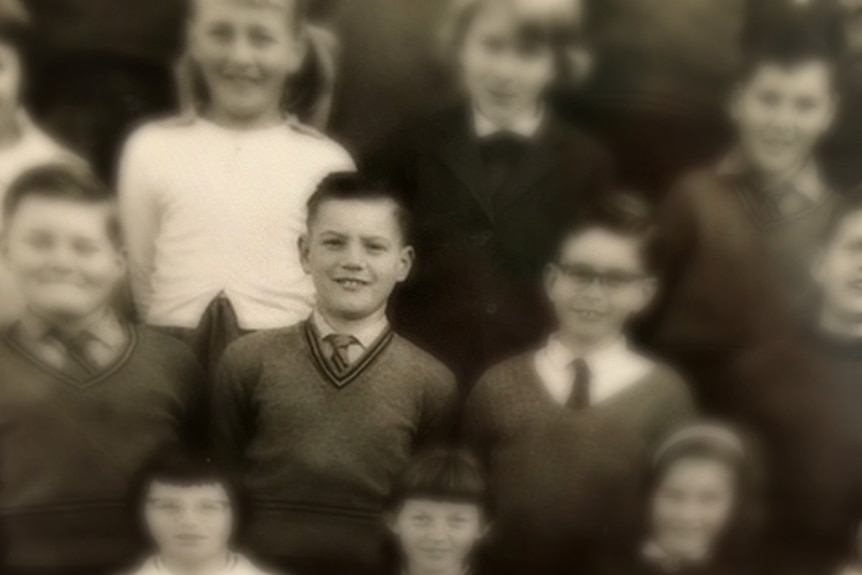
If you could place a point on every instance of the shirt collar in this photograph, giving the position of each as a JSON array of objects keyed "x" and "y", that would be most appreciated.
[
  {"x": 808, "y": 181},
  {"x": 653, "y": 553},
  {"x": 526, "y": 125},
  {"x": 107, "y": 329},
  {"x": 366, "y": 336},
  {"x": 561, "y": 357}
]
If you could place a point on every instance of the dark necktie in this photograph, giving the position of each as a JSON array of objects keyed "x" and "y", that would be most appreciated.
[
  {"x": 341, "y": 343},
  {"x": 76, "y": 347},
  {"x": 580, "y": 397}
]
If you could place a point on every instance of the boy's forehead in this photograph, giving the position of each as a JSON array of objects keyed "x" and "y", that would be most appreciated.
[
  {"x": 282, "y": 5},
  {"x": 159, "y": 488},
  {"x": 356, "y": 212}
]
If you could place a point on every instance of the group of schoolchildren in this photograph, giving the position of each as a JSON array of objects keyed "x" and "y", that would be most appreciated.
[{"x": 431, "y": 366}]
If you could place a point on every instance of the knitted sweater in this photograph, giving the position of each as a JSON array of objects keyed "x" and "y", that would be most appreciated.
[
  {"x": 68, "y": 451},
  {"x": 319, "y": 452},
  {"x": 563, "y": 479}
]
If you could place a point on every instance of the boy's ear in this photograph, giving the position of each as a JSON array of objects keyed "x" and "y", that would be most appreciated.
[
  {"x": 389, "y": 521},
  {"x": 550, "y": 276},
  {"x": 408, "y": 256},
  {"x": 649, "y": 288},
  {"x": 303, "y": 246}
]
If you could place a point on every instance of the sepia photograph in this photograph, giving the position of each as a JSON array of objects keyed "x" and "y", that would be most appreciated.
[{"x": 430, "y": 287}]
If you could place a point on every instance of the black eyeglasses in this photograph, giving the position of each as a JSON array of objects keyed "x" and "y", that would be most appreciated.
[{"x": 611, "y": 280}]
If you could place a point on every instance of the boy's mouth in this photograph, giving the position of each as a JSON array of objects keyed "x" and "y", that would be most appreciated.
[
  {"x": 351, "y": 283},
  {"x": 589, "y": 315}
]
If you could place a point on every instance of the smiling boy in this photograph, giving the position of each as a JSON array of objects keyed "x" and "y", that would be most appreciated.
[
  {"x": 741, "y": 235},
  {"x": 320, "y": 417},
  {"x": 89, "y": 393},
  {"x": 566, "y": 430}
]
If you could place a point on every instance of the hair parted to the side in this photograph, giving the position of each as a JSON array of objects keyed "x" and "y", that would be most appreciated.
[
  {"x": 447, "y": 475},
  {"x": 306, "y": 95},
  {"x": 791, "y": 34},
  {"x": 342, "y": 186},
  {"x": 63, "y": 182},
  {"x": 624, "y": 213},
  {"x": 179, "y": 465},
  {"x": 555, "y": 27}
]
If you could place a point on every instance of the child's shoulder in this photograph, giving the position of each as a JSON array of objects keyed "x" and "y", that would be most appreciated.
[
  {"x": 508, "y": 371},
  {"x": 257, "y": 346},
  {"x": 311, "y": 137},
  {"x": 420, "y": 360}
]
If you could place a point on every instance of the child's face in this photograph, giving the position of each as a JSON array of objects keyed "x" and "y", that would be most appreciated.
[
  {"x": 10, "y": 84},
  {"x": 505, "y": 76},
  {"x": 189, "y": 524},
  {"x": 63, "y": 257},
  {"x": 355, "y": 253},
  {"x": 781, "y": 113},
  {"x": 838, "y": 270},
  {"x": 437, "y": 537},
  {"x": 691, "y": 507},
  {"x": 246, "y": 50},
  {"x": 597, "y": 284}
]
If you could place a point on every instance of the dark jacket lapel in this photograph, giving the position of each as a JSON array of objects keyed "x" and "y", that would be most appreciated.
[
  {"x": 460, "y": 152},
  {"x": 536, "y": 165}
]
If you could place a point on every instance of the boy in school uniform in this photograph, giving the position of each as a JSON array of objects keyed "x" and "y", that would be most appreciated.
[
  {"x": 23, "y": 144},
  {"x": 212, "y": 202},
  {"x": 741, "y": 235},
  {"x": 490, "y": 180},
  {"x": 87, "y": 393},
  {"x": 320, "y": 417},
  {"x": 568, "y": 430}
]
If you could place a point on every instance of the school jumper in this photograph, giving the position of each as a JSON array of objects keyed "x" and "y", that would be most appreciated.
[
  {"x": 33, "y": 148},
  {"x": 73, "y": 439},
  {"x": 212, "y": 217},
  {"x": 488, "y": 211},
  {"x": 736, "y": 269},
  {"x": 319, "y": 447},
  {"x": 567, "y": 480}
]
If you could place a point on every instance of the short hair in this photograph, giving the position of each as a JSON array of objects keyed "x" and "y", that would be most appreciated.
[
  {"x": 63, "y": 182},
  {"x": 346, "y": 186},
  {"x": 179, "y": 465},
  {"x": 848, "y": 205},
  {"x": 622, "y": 213},
  {"x": 561, "y": 34},
  {"x": 299, "y": 12},
  {"x": 789, "y": 36},
  {"x": 442, "y": 475}
]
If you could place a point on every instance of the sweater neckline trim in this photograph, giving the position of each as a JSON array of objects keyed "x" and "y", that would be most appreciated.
[
  {"x": 342, "y": 380},
  {"x": 131, "y": 345}
]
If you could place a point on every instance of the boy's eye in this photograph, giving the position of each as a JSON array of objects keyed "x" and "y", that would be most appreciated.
[
  {"x": 40, "y": 241},
  {"x": 85, "y": 247},
  {"x": 376, "y": 247},
  {"x": 805, "y": 104},
  {"x": 221, "y": 33},
  {"x": 769, "y": 98},
  {"x": 333, "y": 242},
  {"x": 261, "y": 39}
]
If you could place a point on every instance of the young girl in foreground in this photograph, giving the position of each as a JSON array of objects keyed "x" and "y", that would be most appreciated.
[
  {"x": 699, "y": 485},
  {"x": 190, "y": 510},
  {"x": 439, "y": 515}
]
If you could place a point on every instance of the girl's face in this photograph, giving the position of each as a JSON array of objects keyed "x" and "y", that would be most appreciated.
[
  {"x": 246, "y": 50},
  {"x": 505, "y": 75},
  {"x": 190, "y": 525},
  {"x": 692, "y": 506},
  {"x": 437, "y": 537},
  {"x": 10, "y": 85}
]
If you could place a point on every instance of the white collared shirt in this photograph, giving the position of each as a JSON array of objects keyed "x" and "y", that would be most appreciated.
[
  {"x": 366, "y": 335},
  {"x": 236, "y": 565},
  {"x": 211, "y": 211},
  {"x": 612, "y": 369},
  {"x": 526, "y": 126}
]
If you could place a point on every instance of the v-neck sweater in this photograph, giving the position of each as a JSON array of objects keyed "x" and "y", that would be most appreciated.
[
  {"x": 318, "y": 451},
  {"x": 68, "y": 450},
  {"x": 565, "y": 478}
]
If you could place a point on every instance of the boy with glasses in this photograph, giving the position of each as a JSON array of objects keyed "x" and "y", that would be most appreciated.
[{"x": 566, "y": 430}]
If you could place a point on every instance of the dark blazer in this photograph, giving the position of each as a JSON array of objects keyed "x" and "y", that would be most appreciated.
[{"x": 475, "y": 295}]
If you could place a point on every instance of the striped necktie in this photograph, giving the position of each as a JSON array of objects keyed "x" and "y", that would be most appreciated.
[
  {"x": 76, "y": 347},
  {"x": 340, "y": 343}
]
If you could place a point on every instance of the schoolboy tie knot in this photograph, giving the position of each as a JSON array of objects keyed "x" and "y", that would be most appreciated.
[
  {"x": 580, "y": 396},
  {"x": 77, "y": 348},
  {"x": 341, "y": 344}
]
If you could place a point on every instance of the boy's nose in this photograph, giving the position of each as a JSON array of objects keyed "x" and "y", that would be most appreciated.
[{"x": 241, "y": 53}]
